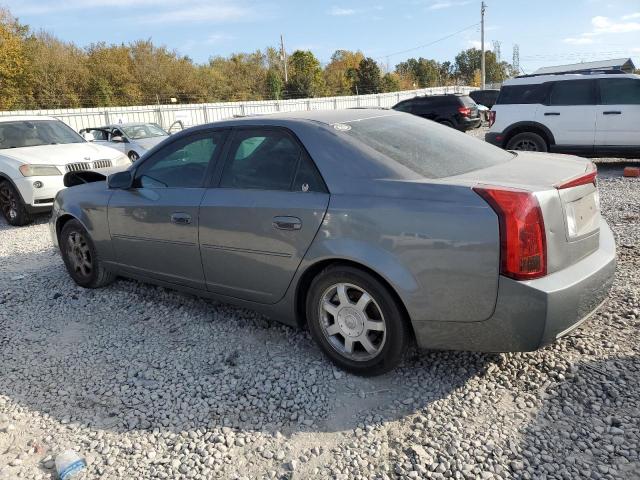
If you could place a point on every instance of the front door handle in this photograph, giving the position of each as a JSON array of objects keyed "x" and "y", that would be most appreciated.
[
  {"x": 180, "y": 218},
  {"x": 547, "y": 114},
  {"x": 287, "y": 223},
  {"x": 612, "y": 112}
]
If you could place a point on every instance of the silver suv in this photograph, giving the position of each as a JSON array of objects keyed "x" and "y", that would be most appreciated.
[{"x": 585, "y": 114}]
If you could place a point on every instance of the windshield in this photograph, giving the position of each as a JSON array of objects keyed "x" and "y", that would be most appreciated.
[
  {"x": 424, "y": 147},
  {"x": 33, "y": 133},
  {"x": 144, "y": 130}
]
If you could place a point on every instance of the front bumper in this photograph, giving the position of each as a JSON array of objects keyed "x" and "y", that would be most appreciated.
[
  {"x": 39, "y": 199},
  {"x": 531, "y": 314}
]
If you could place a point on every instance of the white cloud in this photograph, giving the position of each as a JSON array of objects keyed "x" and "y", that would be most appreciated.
[
  {"x": 606, "y": 25},
  {"x": 446, "y": 4},
  {"x": 631, "y": 16},
  {"x": 341, "y": 12},
  {"x": 578, "y": 40},
  {"x": 217, "y": 13}
]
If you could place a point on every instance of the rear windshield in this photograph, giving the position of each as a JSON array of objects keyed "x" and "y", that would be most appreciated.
[
  {"x": 467, "y": 101},
  {"x": 424, "y": 147},
  {"x": 522, "y": 94}
]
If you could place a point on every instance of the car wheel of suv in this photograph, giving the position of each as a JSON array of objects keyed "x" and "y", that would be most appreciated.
[
  {"x": 446, "y": 123},
  {"x": 356, "y": 321},
  {"x": 80, "y": 257},
  {"x": 528, "y": 142},
  {"x": 133, "y": 156},
  {"x": 13, "y": 208}
]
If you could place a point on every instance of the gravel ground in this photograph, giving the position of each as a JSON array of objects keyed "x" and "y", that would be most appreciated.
[{"x": 149, "y": 383}]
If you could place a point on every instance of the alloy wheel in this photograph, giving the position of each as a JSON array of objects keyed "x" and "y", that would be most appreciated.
[
  {"x": 526, "y": 146},
  {"x": 352, "y": 322},
  {"x": 8, "y": 202},
  {"x": 79, "y": 254}
]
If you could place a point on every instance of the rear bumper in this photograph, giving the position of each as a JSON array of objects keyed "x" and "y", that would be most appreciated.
[
  {"x": 529, "y": 315},
  {"x": 494, "y": 138},
  {"x": 469, "y": 123}
]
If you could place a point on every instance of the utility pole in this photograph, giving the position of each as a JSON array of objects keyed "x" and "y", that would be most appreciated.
[
  {"x": 483, "y": 73},
  {"x": 283, "y": 56}
]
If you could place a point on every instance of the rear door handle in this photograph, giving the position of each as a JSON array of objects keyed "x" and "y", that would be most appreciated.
[
  {"x": 547, "y": 114},
  {"x": 287, "y": 223},
  {"x": 612, "y": 112},
  {"x": 180, "y": 218}
]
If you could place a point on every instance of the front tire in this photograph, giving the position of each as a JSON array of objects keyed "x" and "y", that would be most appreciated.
[
  {"x": 356, "y": 321},
  {"x": 80, "y": 257},
  {"x": 528, "y": 142},
  {"x": 13, "y": 208}
]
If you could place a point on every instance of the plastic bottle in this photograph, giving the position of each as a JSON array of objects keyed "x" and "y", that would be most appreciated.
[{"x": 68, "y": 464}]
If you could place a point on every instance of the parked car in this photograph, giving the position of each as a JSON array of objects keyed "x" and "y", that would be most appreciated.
[
  {"x": 132, "y": 139},
  {"x": 487, "y": 98},
  {"x": 35, "y": 153},
  {"x": 586, "y": 114},
  {"x": 452, "y": 110},
  {"x": 371, "y": 227}
]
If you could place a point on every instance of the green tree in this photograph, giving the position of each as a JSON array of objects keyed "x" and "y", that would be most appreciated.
[
  {"x": 423, "y": 72},
  {"x": 275, "y": 85},
  {"x": 14, "y": 91},
  {"x": 305, "y": 75},
  {"x": 368, "y": 77},
  {"x": 468, "y": 61},
  {"x": 340, "y": 73},
  {"x": 390, "y": 82}
]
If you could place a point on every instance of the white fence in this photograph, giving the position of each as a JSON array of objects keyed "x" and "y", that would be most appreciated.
[{"x": 195, "y": 114}]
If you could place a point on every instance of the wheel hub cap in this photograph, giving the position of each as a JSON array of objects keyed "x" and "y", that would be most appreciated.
[{"x": 351, "y": 321}]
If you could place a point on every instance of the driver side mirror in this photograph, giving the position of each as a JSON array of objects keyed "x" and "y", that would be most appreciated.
[
  {"x": 120, "y": 180},
  {"x": 88, "y": 136},
  {"x": 118, "y": 139}
]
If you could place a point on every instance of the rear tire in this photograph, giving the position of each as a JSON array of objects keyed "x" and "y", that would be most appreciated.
[
  {"x": 446, "y": 123},
  {"x": 528, "y": 142},
  {"x": 13, "y": 208},
  {"x": 80, "y": 257},
  {"x": 356, "y": 321}
]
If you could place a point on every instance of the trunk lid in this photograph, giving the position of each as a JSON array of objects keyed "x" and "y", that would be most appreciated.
[{"x": 571, "y": 212}]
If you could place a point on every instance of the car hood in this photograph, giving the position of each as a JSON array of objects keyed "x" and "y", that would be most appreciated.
[
  {"x": 149, "y": 143},
  {"x": 60, "y": 154}
]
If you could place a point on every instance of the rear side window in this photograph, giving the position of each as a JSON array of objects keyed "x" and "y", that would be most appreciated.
[
  {"x": 424, "y": 147},
  {"x": 404, "y": 106},
  {"x": 467, "y": 101},
  {"x": 619, "y": 91},
  {"x": 522, "y": 94},
  {"x": 574, "y": 92}
]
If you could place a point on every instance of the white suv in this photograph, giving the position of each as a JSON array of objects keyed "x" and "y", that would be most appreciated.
[
  {"x": 35, "y": 153},
  {"x": 586, "y": 114}
]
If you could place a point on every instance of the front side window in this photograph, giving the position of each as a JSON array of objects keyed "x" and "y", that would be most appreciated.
[
  {"x": 34, "y": 133},
  {"x": 261, "y": 159},
  {"x": 574, "y": 92},
  {"x": 181, "y": 164},
  {"x": 619, "y": 91}
]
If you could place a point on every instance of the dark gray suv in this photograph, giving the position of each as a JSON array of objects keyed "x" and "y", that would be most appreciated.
[{"x": 453, "y": 110}]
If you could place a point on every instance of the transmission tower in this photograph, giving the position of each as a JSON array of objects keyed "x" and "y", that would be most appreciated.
[
  {"x": 516, "y": 59},
  {"x": 496, "y": 50}
]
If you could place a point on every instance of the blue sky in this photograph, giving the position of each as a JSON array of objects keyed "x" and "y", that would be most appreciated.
[{"x": 549, "y": 32}]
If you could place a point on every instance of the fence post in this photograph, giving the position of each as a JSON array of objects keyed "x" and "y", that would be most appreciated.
[
  {"x": 308, "y": 104},
  {"x": 335, "y": 103},
  {"x": 242, "y": 109},
  {"x": 204, "y": 114},
  {"x": 106, "y": 117},
  {"x": 159, "y": 116}
]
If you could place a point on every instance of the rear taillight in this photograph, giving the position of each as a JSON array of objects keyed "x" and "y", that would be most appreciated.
[
  {"x": 492, "y": 118},
  {"x": 523, "y": 245},
  {"x": 584, "y": 179},
  {"x": 464, "y": 111}
]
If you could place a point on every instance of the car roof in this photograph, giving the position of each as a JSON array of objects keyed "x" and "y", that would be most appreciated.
[
  {"x": 566, "y": 76},
  {"x": 327, "y": 117},
  {"x": 25, "y": 118}
]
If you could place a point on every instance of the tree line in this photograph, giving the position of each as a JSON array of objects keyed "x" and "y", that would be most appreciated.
[{"x": 38, "y": 70}]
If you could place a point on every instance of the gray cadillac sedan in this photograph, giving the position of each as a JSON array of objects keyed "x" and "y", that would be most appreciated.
[{"x": 373, "y": 228}]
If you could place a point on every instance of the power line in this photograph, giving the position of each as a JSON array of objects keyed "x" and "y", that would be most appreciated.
[{"x": 430, "y": 43}]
